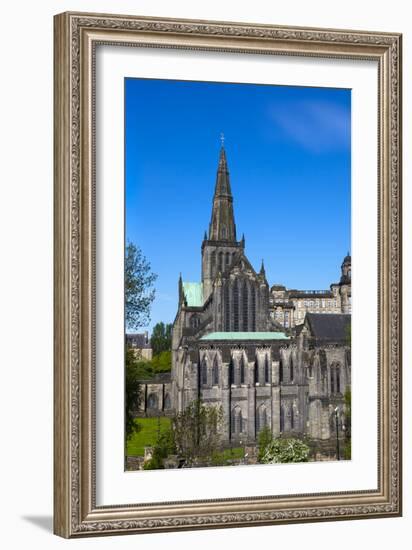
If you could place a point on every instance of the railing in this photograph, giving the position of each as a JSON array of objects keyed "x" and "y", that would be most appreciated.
[{"x": 312, "y": 291}]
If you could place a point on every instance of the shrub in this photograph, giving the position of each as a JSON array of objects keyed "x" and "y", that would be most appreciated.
[
  {"x": 164, "y": 447},
  {"x": 285, "y": 451},
  {"x": 162, "y": 362},
  {"x": 265, "y": 437},
  {"x": 196, "y": 431}
]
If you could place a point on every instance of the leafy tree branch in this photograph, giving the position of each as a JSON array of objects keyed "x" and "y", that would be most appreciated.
[{"x": 139, "y": 291}]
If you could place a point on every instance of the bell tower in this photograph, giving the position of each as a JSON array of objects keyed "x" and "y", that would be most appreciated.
[{"x": 345, "y": 285}]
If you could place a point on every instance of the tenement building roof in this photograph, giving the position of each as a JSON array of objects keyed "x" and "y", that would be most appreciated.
[
  {"x": 138, "y": 340},
  {"x": 329, "y": 328},
  {"x": 245, "y": 336}
]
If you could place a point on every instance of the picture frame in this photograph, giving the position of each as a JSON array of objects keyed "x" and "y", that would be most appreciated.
[{"x": 76, "y": 510}]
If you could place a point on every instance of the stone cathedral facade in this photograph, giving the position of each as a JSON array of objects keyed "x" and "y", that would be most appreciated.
[{"x": 229, "y": 350}]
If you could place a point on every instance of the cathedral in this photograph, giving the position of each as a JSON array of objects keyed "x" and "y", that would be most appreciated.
[{"x": 230, "y": 349}]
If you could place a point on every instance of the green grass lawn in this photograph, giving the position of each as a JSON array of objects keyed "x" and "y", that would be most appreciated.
[
  {"x": 236, "y": 452},
  {"x": 226, "y": 456},
  {"x": 147, "y": 435}
]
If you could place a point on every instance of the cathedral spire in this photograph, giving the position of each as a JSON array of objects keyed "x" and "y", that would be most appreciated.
[
  {"x": 180, "y": 286},
  {"x": 222, "y": 224},
  {"x": 222, "y": 180}
]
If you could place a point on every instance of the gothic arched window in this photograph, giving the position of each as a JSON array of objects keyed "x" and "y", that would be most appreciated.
[
  {"x": 292, "y": 417},
  {"x": 253, "y": 308},
  {"x": 267, "y": 369},
  {"x": 167, "y": 402},
  {"x": 220, "y": 266},
  {"x": 259, "y": 373},
  {"x": 281, "y": 370},
  {"x": 261, "y": 418},
  {"x": 215, "y": 372},
  {"x": 213, "y": 263},
  {"x": 245, "y": 312},
  {"x": 236, "y": 307},
  {"x": 237, "y": 420},
  {"x": 255, "y": 372},
  {"x": 332, "y": 379},
  {"x": 227, "y": 308},
  {"x": 337, "y": 379},
  {"x": 227, "y": 259},
  {"x": 204, "y": 372},
  {"x": 231, "y": 372},
  {"x": 291, "y": 372},
  {"x": 152, "y": 401},
  {"x": 242, "y": 370},
  {"x": 233, "y": 421},
  {"x": 282, "y": 419}
]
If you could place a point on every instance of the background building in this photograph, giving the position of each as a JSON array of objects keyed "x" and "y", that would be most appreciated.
[
  {"x": 140, "y": 344},
  {"x": 288, "y": 307}
]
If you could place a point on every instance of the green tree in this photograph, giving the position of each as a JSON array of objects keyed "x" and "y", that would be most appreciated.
[
  {"x": 132, "y": 393},
  {"x": 162, "y": 362},
  {"x": 265, "y": 437},
  {"x": 144, "y": 370},
  {"x": 347, "y": 449},
  {"x": 139, "y": 291},
  {"x": 196, "y": 431},
  {"x": 161, "y": 339},
  {"x": 285, "y": 451},
  {"x": 165, "y": 446}
]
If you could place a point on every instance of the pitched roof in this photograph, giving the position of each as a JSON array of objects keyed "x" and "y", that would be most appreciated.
[
  {"x": 245, "y": 336},
  {"x": 331, "y": 327},
  {"x": 193, "y": 294},
  {"x": 310, "y": 295},
  {"x": 138, "y": 340},
  {"x": 239, "y": 259}
]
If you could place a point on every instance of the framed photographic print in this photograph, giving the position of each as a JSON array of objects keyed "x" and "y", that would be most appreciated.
[{"x": 227, "y": 274}]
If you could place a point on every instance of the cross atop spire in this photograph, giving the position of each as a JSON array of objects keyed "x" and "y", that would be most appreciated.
[{"x": 222, "y": 139}]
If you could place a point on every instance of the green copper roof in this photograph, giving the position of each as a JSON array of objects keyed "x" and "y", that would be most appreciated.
[
  {"x": 193, "y": 294},
  {"x": 245, "y": 336}
]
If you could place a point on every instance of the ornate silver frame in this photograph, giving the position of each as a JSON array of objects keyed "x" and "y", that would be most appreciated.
[{"x": 75, "y": 38}]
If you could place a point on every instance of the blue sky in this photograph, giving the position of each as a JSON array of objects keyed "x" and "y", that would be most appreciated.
[{"x": 288, "y": 151}]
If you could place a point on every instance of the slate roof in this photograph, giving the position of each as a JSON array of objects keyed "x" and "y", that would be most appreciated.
[
  {"x": 329, "y": 327},
  {"x": 193, "y": 294},
  {"x": 138, "y": 340},
  {"x": 245, "y": 336},
  {"x": 310, "y": 295}
]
